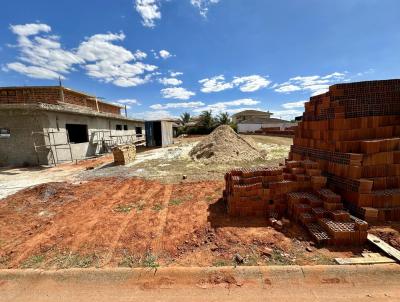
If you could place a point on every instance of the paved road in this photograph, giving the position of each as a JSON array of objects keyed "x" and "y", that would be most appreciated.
[{"x": 244, "y": 284}]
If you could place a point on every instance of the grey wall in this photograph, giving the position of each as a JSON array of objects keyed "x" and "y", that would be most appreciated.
[
  {"x": 57, "y": 122},
  {"x": 18, "y": 149},
  {"x": 167, "y": 133}
]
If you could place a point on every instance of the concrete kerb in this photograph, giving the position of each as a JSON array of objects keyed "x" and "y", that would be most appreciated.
[{"x": 188, "y": 277}]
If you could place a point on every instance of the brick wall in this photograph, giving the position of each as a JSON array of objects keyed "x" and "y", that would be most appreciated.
[
  {"x": 29, "y": 95},
  {"x": 52, "y": 95},
  {"x": 109, "y": 108}
]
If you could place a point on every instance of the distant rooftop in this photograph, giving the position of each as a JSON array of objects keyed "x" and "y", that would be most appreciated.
[{"x": 250, "y": 112}]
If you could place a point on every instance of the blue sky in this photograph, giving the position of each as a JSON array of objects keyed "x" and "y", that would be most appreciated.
[{"x": 164, "y": 57}]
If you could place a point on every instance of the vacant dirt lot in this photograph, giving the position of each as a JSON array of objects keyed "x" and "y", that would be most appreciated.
[
  {"x": 134, "y": 222},
  {"x": 144, "y": 215}
]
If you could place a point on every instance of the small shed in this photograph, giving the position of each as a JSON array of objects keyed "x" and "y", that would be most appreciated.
[{"x": 159, "y": 133}]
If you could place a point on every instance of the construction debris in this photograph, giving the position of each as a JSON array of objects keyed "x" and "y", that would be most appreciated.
[
  {"x": 367, "y": 258},
  {"x": 389, "y": 250},
  {"x": 124, "y": 154},
  {"x": 225, "y": 145}
]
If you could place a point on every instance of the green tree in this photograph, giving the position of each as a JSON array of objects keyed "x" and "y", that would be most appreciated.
[
  {"x": 206, "y": 120},
  {"x": 224, "y": 118},
  {"x": 185, "y": 118}
]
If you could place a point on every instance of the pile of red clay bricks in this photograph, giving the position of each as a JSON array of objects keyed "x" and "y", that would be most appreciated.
[
  {"x": 353, "y": 132},
  {"x": 297, "y": 189}
]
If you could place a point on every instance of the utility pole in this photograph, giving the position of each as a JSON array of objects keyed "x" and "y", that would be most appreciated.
[{"x": 61, "y": 89}]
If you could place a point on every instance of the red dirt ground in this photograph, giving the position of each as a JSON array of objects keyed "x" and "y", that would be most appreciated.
[
  {"x": 85, "y": 163},
  {"x": 134, "y": 222}
]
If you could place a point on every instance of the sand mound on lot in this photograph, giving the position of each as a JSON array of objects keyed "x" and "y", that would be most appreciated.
[{"x": 225, "y": 145}]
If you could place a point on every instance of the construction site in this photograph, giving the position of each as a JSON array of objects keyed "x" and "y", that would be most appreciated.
[
  {"x": 200, "y": 151},
  {"x": 328, "y": 196},
  {"x": 321, "y": 198}
]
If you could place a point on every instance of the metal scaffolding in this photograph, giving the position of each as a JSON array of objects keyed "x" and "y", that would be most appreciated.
[
  {"x": 51, "y": 146},
  {"x": 107, "y": 140}
]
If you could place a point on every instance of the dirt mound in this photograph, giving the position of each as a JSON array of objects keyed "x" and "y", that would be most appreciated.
[{"x": 225, "y": 145}]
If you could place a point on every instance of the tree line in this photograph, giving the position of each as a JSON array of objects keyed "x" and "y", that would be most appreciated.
[{"x": 205, "y": 123}]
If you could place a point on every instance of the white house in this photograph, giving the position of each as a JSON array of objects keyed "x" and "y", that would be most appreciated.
[{"x": 252, "y": 120}]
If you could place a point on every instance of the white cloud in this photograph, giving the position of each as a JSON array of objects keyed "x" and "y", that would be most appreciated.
[
  {"x": 224, "y": 106},
  {"x": 203, "y": 5},
  {"x": 139, "y": 55},
  {"x": 165, "y": 54},
  {"x": 246, "y": 84},
  {"x": 42, "y": 55},
  {"x": 29, "y": 29},
  {"x": 287, "y": 88},
  {"x": 154, "y": 115},
  {"x": 334, "y": 75},
  {"x": 33, "y": 71},
  {"x": 149, "y": 10},
  {"x": 314, "y": 84},
  {"x": 251, "y": 83},
  {"x": 215, "y": 84},
  {"x": 113, "y": 63},
  {"x": 177, "y": 105},
  {"x": 367, "y": 72},
  {"x": 175, "y": 74},
  {"x": 128, "y": 102},
  {"x": 299, "y": 104},
  {"x": 289, "y": 114},
  {"x": 177, "y": 93},
  {"x": 170, "y": 81}
]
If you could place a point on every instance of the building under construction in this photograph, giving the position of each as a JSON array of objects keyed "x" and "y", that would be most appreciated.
[{"x": 53, "y": 124}]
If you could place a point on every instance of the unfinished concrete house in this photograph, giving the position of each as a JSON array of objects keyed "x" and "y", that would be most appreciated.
[{"x": 54, "y": 124}]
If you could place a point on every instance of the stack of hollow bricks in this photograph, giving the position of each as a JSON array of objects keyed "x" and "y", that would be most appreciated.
[
  {"x": 298, "y": 188},
  {"x": 353, "y": 132}
]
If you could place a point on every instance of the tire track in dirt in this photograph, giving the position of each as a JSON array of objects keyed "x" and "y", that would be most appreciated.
[
  {"x": 181, "y": 222},
  {"x": 99, "y": 207},
  {"x": 31, "y": 244},
  {"x": 104, "y": 214},
  {"x": 148, "y": 196},
  {"x": 157, "y": 244}
]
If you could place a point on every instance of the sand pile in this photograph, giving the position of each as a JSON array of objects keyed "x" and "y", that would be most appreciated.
[{"x": 225, "y": 145}]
